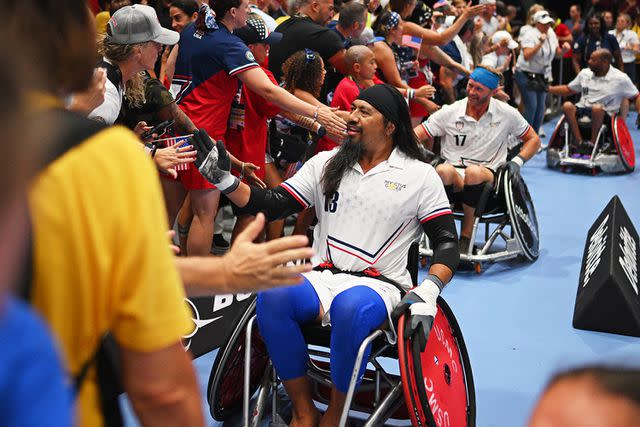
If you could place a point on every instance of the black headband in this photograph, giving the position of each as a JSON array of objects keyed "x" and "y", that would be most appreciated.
[{"x": 386, "y": 99}]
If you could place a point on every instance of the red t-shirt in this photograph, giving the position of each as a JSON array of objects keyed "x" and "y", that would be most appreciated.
[
  {"x": 563, "y": 31},
  {"x": 246, "y": 137}
]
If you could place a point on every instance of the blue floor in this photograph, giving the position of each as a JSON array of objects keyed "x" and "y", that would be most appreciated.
[{"x": 516, "y": 319}]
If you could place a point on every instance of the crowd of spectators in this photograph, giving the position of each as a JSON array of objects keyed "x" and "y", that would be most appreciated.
[{"x": 274, "y": 80}]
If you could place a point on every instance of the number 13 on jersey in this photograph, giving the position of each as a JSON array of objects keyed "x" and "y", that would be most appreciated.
[{"x": 331, "y": 203}]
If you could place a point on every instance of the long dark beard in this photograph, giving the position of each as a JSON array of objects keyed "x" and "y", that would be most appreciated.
[{"x": 348, "y": 154}]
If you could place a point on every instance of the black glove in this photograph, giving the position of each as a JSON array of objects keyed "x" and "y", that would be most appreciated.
[
  {"x": 214, "y": 162},
  {"x": 421, "y": 302},
  {"x": 515, "y": 164}
]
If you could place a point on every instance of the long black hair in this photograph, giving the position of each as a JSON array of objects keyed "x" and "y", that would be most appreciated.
[{"x": 404, "y": 138}]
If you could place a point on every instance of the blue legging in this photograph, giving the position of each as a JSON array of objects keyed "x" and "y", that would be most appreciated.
[
  {"x": 534, "y": 102},
  {"x": 355, "y": 313}
]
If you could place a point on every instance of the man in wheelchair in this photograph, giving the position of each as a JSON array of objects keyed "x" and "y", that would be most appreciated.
[
  {"x": 603, "y": 89},
  {"x": 474, "y": 132},
  {"x": 372, "y": 197}
]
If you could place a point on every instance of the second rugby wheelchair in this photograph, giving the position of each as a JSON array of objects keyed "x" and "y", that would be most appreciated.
[
  {"x": 613, "y": 151},
  {"x": 433, "y": 387},
  {"x": 505, "y": 226}
]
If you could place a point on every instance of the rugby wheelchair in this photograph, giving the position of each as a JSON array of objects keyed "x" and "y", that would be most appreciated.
[
  {"x": 613, "y": 151},
  {"x": 431, "y": 388},
  {"x": 505, "y": 225}
]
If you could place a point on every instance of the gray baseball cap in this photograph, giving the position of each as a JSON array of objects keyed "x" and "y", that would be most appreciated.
[{"x": 138, "y": 24}]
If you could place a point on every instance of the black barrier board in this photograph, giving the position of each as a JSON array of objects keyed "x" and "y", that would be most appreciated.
[
  {"x": 608, "y": 298},
  {"x": 213, "y": 318}
]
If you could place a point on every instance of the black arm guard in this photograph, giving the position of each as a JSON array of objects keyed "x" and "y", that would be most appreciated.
[
  {"x": 275, "y": 204},
  {"x": 444, "y": 239}
]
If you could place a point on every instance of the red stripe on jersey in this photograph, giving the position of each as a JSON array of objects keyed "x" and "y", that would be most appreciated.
[
  {"x": 295, "y": 196},
  {"x": 435, "y": 215},
  {"x": 426, "y": 130},
  {"x": 525, "y": 132},
  {"x": 379, "y": 256}
]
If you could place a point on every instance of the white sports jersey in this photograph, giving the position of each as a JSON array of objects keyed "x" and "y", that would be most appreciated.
[
  {"x": 466, "y": 141},
  {"x": 373, "y": 218},
  {"x": 608, "y": 90}
]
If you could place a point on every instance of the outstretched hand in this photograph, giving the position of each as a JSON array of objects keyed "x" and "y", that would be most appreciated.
[{"x": 252, "y": 266}]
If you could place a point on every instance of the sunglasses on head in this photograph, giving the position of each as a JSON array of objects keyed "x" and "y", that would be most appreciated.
[{"x": 309, "y": 55}]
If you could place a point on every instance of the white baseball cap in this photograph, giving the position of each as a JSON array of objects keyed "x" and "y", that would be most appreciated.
[
  {"x": 138, "y": 24},
  {"x": 499, "y": 36},
  {"x": 542, "y": 17}
]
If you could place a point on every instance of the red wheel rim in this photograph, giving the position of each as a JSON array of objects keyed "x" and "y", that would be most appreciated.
[
  {"x": 436, "y": 381},
  {"x": 624, "y": 143}
]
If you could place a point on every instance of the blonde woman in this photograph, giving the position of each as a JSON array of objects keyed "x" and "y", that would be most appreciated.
[{"x": 125, "y": 54}]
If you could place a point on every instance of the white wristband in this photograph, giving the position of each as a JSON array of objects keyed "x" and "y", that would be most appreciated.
[
  {"x": 428, "y": 291},
  {"x": 227, "y": 182},
  {"x": 518, "y": 160}
]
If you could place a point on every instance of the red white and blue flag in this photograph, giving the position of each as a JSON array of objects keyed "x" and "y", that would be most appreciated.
[
  {"x": 412, "y": 41},
  {"x": 179, "y": 141}
]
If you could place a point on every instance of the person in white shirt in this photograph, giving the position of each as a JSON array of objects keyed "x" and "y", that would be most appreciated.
[
  {"x": 132, "y": 44},
  {"x": 628, "y": 42},
  {"x": 474, "y": 135},
  {"x": 603, "y": 89},
  {"x": 539, "y": 48},
  {"x": 487, "y": 22},
  {"x": 373, "y": 196},
  {"x": 500, "y": 56}
]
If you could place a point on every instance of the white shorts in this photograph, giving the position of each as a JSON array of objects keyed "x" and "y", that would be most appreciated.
[{"x": 328, "y": 285}]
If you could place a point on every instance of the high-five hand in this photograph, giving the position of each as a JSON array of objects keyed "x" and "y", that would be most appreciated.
[{"x": 214, "y": 162}]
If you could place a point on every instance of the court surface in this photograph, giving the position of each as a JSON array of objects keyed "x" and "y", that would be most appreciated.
[{"x": 516, "y": 318}]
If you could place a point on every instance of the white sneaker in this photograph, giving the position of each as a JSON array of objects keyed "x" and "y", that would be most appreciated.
[{"x": 542, "y": 134}]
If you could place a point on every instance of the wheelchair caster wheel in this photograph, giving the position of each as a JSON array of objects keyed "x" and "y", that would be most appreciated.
[{"x": 477, "y": 267}]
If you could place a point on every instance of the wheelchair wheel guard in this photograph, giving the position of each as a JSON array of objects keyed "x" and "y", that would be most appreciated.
[
  {"x": 224, "y": 390},
  {"x": 438, "y": 383},
  {"x": 556, "y": 141},
  {"x": 623, "y": 142},
  {"x": 522, "y": 214}
]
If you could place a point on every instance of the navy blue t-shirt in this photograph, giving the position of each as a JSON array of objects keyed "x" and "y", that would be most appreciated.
[
  {"x": 587, "y": 44},
  {"x": 452, "y": 50},
  {"x": 32, "y": 381}
]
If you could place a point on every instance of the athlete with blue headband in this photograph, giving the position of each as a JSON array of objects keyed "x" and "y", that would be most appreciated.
[{"x": 474, "y": 133}]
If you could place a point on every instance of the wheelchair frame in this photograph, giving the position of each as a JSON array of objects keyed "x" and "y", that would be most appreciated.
[
  {"x": 559, "y": 155},
  {"x": 501, "y": 218},
  {"x": 374, "y": 382}
]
